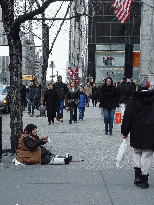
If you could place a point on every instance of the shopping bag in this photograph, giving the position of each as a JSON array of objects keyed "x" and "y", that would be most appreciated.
[
  {"x": 118, "y": 117},
  {"x": 121, "y": 153}
]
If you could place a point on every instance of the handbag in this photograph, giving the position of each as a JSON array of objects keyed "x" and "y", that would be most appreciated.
[{"x": 121, "y": 153}]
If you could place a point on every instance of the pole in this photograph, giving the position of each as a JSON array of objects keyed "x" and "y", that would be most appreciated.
[
  {"x": 1, "y": 133},
  {"x": 52, "y": 69},
  {"x": 45, "y": 54}
]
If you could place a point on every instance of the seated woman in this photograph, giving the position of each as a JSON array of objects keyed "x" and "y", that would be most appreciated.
[{"x": 30, "y": 150}]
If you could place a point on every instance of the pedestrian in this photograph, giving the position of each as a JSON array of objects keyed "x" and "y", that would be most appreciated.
[
  {"x": 88, "y": 92},
  {"x": 82, "y": 103},
  {"x": 30, "y": 150},
  {"x": 139, "y": 121},
  {"x": 23, "y": 97},
  {"x": 98, "y": 95},
  {"x": 73, "y": 100},
  {"x": 61, "y": 89},
  {"x": 32, "y": 92},
  {"x": 38, "y": 97},
  {"x": 94, "y": 95},
  {"x": 50, "y": 98},
  {"x": 125, "y": 90},
  {"x": 109, "y": 101}
]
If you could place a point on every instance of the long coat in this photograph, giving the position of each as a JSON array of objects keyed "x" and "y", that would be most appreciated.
[
  {"x": 61, "y": 89},
  {"x": 139, "y": 120},
  {"x": 125, "y": 92},
  {"x": 50, "y": 97},
  {"x": 73, "y": 96},
  {"x": 109, "y": 97}
]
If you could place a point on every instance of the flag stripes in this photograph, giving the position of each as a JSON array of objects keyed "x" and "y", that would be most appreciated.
[{"x": 122, "y": 9}]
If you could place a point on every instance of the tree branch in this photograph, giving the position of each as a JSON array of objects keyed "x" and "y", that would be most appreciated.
[
  {"x": 31, "y": 14},
  {"x": 59, "y": 28},
  {"x": 38, "y": 4}
]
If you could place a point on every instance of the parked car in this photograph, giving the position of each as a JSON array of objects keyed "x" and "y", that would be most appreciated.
[{"x": 5, "y": 98}]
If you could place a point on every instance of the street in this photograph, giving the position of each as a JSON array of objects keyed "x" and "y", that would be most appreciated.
[{"x": 96, "y": 180}]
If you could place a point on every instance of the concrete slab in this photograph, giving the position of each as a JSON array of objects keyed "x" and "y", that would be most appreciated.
[
  {"x": 56, "y": 185},
  {"x": 122, "y": 190}
]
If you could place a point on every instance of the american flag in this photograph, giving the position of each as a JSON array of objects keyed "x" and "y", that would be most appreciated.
[{"x": 122, "y": 9}]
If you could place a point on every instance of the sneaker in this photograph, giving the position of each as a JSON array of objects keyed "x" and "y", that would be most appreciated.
[
  {"x": 58, "y": 119},
  {"x": 75, "y": 121},
  {"x": 106, "y": 132},
  {"x": 61, "y": 120},
  {"x": 70, "y": 121},
  {"x": 110, "y": 133}
]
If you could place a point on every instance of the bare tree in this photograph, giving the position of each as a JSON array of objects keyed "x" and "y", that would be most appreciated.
[{"x": 12, "y": 29}]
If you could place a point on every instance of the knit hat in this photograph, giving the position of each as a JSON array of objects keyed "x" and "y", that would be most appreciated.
[
  {"x": 142, "y": 83},
  {"x": 30, "y": 127}
]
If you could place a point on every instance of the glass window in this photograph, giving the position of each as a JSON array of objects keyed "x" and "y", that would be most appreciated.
[{"x": 2, "y": 90}]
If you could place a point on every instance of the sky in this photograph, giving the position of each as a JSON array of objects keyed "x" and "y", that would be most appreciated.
[{"x": 61, "y": 46}]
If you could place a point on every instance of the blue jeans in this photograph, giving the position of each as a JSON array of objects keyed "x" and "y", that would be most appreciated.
[
  {"x": 108, "y": 119},
  {"x": 60, "y": 110},
  {"x": 81, "y": 112},
  {"x": 31, "y": 103}
]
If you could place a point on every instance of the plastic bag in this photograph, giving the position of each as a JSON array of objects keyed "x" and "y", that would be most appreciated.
[{"x": 121, "y": 152}]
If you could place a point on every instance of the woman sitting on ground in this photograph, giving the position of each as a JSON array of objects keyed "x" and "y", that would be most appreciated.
[{"x": 30, "y": 149}]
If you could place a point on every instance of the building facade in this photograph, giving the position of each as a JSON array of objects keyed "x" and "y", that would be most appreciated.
[{"x": 113, "y": 47}]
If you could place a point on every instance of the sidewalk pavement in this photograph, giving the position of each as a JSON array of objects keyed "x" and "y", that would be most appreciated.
[{"x": 94, "y": 181}]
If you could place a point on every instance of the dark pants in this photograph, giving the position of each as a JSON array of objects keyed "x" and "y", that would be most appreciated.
[
  {"x": 73, "y": 112},
  {"x": 50, "y": 114},
  {"x": 60, "y": 108},
  {"x": 94, "y": 101},
  {"x": 31, "y": 103},
  {"x": 81, "y": 112}
]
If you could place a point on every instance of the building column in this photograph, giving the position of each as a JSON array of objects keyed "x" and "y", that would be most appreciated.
[{"x": 147, "y": 40}]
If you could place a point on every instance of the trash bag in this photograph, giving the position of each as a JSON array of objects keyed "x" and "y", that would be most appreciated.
[{"x": 121, "y": 153}]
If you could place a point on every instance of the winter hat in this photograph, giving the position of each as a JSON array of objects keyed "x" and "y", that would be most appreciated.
[
  {"x": 142, "y": 83},
  {"x": 30, "y": 127}
]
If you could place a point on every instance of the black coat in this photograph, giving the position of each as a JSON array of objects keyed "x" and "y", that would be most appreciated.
[
  {"x": 125, "y": 92},
  {"x": 61, "y": 90},
  {"x": 50, "y": 97},
  {"x": 109, "y": 97},
  {"x": 73, "y": 97},
  {"x": 94, "y": 92},
  {"x": 139, "y": 120}
]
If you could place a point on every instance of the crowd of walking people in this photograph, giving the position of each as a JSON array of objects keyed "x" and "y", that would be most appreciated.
[{"x": 134, "y": 100}]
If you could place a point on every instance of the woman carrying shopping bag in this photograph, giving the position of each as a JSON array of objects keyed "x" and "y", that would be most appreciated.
[
  {"x": 109, "y": 101},
  {"x": 139, "y": 121}
]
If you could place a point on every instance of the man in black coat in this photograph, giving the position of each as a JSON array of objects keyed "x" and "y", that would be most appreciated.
[
  {"x": 125, "y": 90},
  {"x": 50, "y": 97},
  {"x": 61, "y": 89},
  {"x": 139, "y": 121}
]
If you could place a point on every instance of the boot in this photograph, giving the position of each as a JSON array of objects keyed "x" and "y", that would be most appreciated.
[
  {"x": 138, "y": 174},
  {"x": 144, "y": 181}
]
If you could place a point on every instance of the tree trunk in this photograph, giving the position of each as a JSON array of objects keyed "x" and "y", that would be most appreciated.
[{"x": 15, "y": 88}]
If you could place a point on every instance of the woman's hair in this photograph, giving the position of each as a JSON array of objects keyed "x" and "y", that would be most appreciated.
[{"x": 110, "y": 79}]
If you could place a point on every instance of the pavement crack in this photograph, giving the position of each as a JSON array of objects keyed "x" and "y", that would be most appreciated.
[{"x": 107, "y": 188}]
